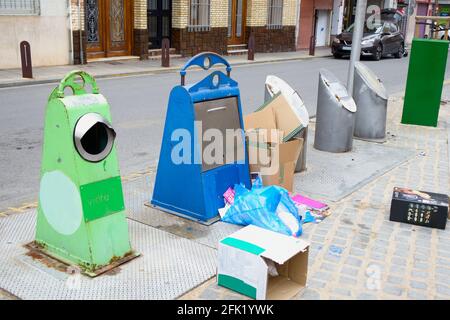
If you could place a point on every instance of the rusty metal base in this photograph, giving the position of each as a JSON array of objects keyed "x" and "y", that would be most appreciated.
[{"x": 36, "y": 250}]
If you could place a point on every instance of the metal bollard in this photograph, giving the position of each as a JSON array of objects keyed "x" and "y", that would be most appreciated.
[
  {"x": 165, "y": 53},
  {"x": 25, "y": 56},
  {"x": 371, "y": 99},
  {"x": 335, "y": 119},
  {"x": 251, "y": 48}
]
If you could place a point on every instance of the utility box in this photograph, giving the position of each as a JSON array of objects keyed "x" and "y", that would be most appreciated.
[
  {"x": 425, "y": 81},
  {"x": 203, "y": 150},
  {"x": 275, "y": 86},
  {"x": 371, "y": 99},
  {"x": 81, "y": 214},
  {"x": 335, "y": 119}
]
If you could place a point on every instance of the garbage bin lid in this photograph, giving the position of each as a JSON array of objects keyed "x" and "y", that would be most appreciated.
[
  {"x": 338, "y": 90},
  {"x": 276, "y": 85},
  {"x": 93, "y": 137},
  {"x": 371, "y": 79}
]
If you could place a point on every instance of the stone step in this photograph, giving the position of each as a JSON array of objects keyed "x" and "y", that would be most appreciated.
[
  {"x": 157, "y": 52},
  {"x": 172, "y": 56},
  {"x": 237, "y": 46},
  {"x": 237, "y": 52}
]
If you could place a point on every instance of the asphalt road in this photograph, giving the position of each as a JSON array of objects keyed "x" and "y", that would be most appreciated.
[{"x": 138, "y": 107}]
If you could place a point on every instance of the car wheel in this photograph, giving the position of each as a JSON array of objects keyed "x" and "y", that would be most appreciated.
[
  {"x": 378, "y": 53},
  {"x": 400, "y": 52},
  {"x": 337, "y": 55}
]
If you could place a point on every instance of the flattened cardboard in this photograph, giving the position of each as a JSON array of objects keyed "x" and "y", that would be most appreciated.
[
  {"x": 261, "y": 155},
  {"x": 242, "y": 267},
  {"x": 285, "y": 118}
]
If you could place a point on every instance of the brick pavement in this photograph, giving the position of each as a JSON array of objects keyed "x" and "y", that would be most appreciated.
[{"x": 357, "y": 253}]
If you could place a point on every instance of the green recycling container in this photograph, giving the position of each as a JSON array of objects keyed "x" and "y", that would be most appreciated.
[{"x": 425, "y": 81}]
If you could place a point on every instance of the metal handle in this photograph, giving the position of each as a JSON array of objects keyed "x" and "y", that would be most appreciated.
[
  {"x": 77, "y": 88},
  {"x": 204, "y": 60}
]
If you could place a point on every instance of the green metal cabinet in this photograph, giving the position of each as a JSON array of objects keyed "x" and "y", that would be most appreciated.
[{"x": 425, "y": 81}]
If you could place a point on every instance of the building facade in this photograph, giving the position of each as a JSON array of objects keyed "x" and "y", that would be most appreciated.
[
  {"x": 321, "y": 19},
  {"x": 44, "y": 24},
  {"x": 88, "y": 30}
]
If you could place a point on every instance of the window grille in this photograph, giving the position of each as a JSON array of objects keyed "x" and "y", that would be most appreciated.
[
  {"x": 19, "y": 7},
  {"x": 200, "y": 15},
  {"x": 275, "y": 14}
]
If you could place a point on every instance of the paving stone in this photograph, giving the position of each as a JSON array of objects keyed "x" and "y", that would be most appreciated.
[
  {"x": 347, "y": 280},
  {"x": 397, "y": 270},
  {"x": 309, "y": 294},
  {"x": 398, "y": 261},
  {"x": 357, "y": 252},
  {"x": 419, "y": 274},
  {"x": 366, "y": 296},
  {"x": 332, "y": 257},
  {"x": 418, "y": 285},
  {"x": 342, "y": 292},
  {"x": 416, "y": 295},
  {"x": 353, "y": 261},
  {"x": 328, "y": 266},
  {"x": 443, "y": 290},
  {"x": 322, "y": 275},
  {"x": 349, "y": 271},
  {"x": 395, "y": 280},
  {"x": 315, "y": 284},
  {"x": 443, "y": 271},
  {"x": 401, "y": 253},
  {"x": 210, "y": 293},
  {"x": 393, "y": 290},
  {"x": 421, "y": 265},
  {"x": 378, "y": 256}
]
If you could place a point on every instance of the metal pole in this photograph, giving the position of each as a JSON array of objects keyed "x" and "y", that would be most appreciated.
[
  {"x": 358, "y": 28},
  {"x": 80, "y": 33}
]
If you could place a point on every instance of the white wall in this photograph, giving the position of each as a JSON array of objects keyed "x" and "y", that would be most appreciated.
[
  {"x": 47, "y": 33},
  {"x": 337, "y": 17}
]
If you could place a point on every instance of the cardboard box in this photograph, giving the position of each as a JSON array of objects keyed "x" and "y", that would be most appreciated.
[
  {"x": 286, "y": 119},
  {"x": 269, "y": 152},
  {"x": 243, "y": 268},
  {"x": 419, "y": 208}
]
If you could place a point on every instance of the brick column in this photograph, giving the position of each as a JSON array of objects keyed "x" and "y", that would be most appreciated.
[{"x": 140, "y": 31}]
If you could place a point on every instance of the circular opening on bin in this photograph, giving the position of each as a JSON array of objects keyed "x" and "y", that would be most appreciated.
[
  {"x": 215, "y": 80},
  {"x": 94, "y": 137},
  {"x": 207, "y": 63},
  {"x": 95, "y": 140}
]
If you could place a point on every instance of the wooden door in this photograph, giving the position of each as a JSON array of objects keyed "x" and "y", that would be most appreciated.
[
  {"x": 108, "y": 28},
  {"x": 237, "y": 16}
]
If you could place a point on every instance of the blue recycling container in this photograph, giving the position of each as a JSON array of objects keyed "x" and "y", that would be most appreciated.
[{"x": 203, "y": 150}]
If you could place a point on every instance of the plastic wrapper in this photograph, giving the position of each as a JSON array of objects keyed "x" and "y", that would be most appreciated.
[{"x": 266, "y": 207}]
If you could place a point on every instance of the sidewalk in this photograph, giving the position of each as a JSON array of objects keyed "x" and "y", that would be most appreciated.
[
  {"x": 115, "y": 68},
  {"x": 355, "y": 253}
]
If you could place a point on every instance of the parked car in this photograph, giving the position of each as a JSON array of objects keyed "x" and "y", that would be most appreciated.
[
  {"x": 441, "y": 32},
  {"x": 380, "y": 40}
]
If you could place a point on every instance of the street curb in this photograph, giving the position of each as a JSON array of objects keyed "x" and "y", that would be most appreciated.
[{"x": 149, "y": 72}]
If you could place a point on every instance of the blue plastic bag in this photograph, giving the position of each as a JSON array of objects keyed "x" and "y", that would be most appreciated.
[{"x": 266, "y": 207}]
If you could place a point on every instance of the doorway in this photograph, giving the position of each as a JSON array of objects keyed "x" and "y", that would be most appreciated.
[
  {"x": 108, "y": 28},
  {"x": 322, "y": 28},
  {"x": 237, "y": 16},
  {"x": 159, "y": 22}
]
